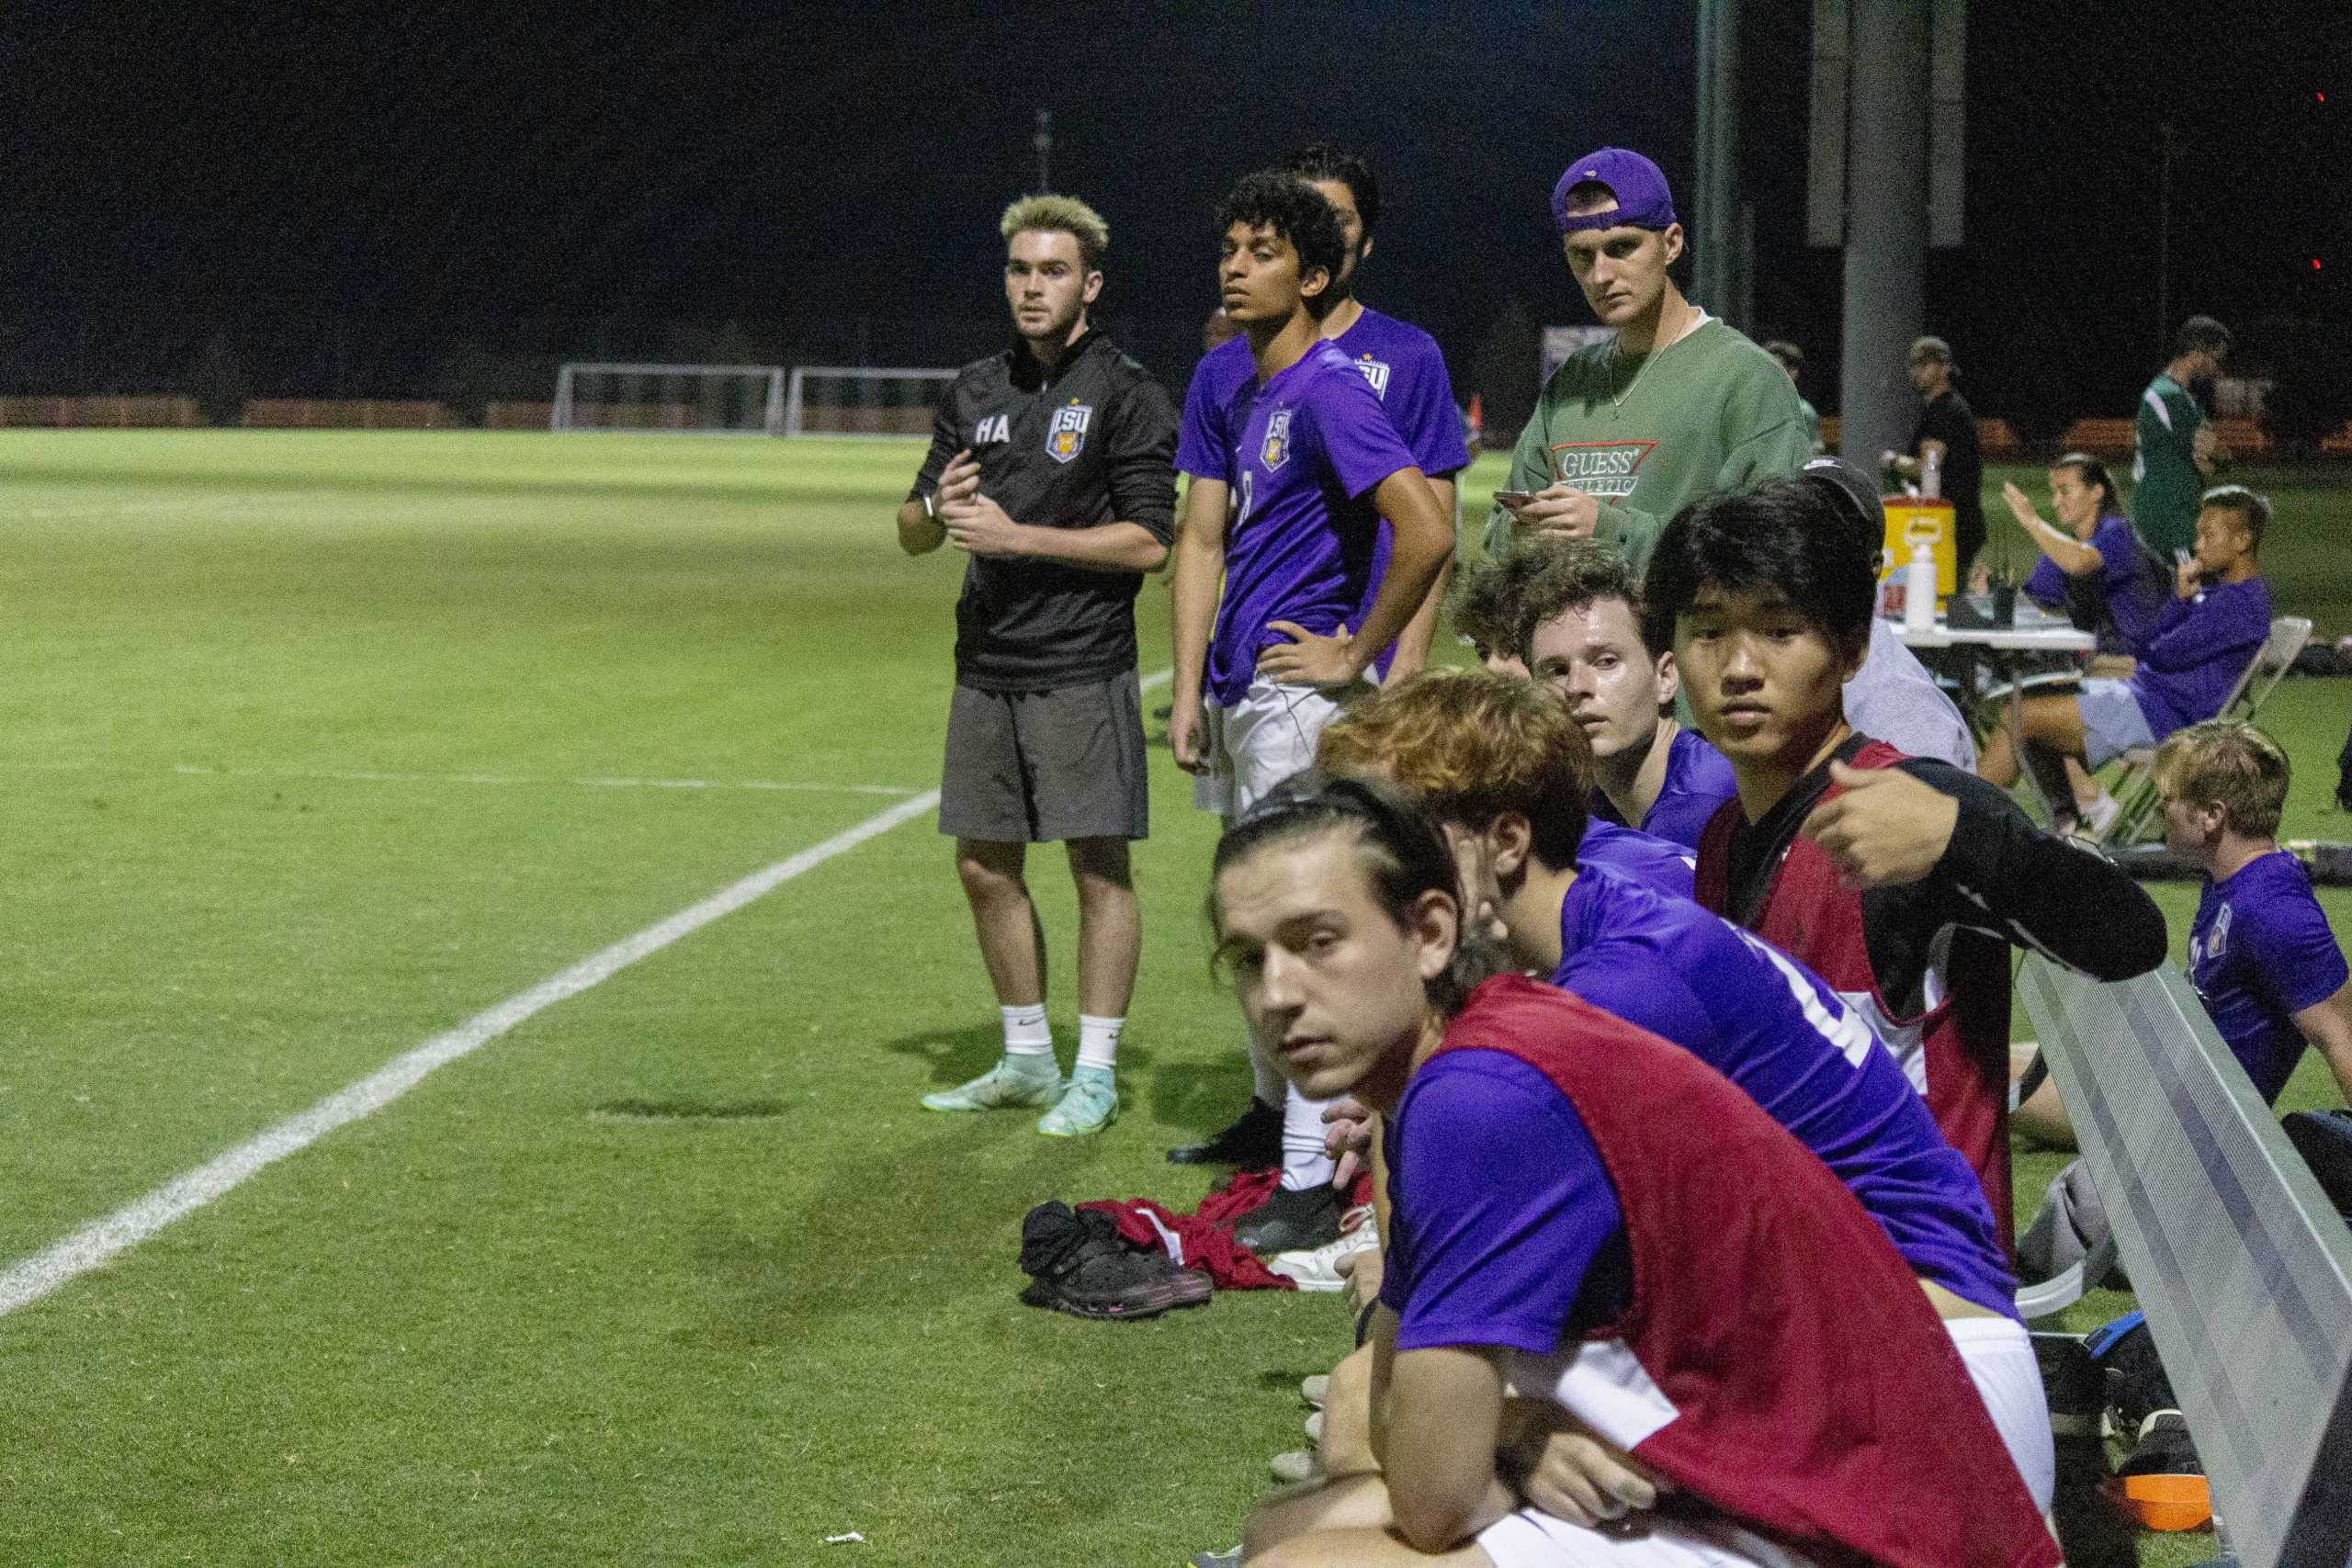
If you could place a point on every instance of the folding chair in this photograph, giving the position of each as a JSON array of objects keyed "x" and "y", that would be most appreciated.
[{"x": 2135, "y": 785}]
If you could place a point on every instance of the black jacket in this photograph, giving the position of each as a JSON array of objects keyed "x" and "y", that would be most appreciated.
[{"x": 1089, "y": 441}]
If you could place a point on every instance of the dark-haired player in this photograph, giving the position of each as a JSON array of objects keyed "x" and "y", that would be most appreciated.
[
  {"x": 1402, "y": 363},
  {"x": 1275, "y": 617},
  {"x": 2189, "y": 662},
  {"x": 1899, "y": 880},
  {"x": 2175, "y": 448}
]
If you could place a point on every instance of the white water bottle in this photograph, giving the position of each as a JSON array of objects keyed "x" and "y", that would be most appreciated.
[{"x": 1919, "y": 589}]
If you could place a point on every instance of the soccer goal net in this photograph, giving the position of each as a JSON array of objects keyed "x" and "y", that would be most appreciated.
[
  {"x": 827, "y": 399},
  {"x": 683, "y": 400}
]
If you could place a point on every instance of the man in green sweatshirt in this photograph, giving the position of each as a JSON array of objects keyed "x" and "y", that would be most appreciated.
[{"x": 1676, "y": 405}]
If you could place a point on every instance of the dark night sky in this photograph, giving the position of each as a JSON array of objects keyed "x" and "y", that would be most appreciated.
[{"x": 427, "y": 172}]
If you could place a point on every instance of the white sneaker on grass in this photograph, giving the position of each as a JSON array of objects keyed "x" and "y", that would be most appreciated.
[{"x": 1319, "y": 1269}]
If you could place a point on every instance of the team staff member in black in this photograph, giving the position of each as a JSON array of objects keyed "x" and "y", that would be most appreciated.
[
  {"x": 1948, "y": 426},
  {"x": 1052, "y": 466}
]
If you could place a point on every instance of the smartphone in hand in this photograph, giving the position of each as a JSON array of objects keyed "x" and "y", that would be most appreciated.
[{"x": 1514, "y": 499}]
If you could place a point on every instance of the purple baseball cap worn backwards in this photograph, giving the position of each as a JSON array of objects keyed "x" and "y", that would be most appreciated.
[{"x": 1639, "y": 185}]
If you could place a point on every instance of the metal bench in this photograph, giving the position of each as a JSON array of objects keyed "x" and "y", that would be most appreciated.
[{"x": 2242, "y": 1266}]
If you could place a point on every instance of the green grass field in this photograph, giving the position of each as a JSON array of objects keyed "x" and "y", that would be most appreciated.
[{"x": 325, "y": 744}]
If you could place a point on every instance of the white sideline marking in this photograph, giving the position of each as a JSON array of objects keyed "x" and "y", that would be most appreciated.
[
  {"x": 29, "y": 1280},
  {"x": 35, "y": 1277}
]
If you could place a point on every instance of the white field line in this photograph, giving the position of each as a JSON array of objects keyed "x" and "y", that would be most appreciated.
[
  {"x": 35, "y": 1277},
  {"x": 30, "y": 1278}
]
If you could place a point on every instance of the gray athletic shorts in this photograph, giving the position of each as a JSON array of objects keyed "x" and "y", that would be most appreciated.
[
  {"x": 2112, "y": 722},
  {"x": 1032, "y": 767}
]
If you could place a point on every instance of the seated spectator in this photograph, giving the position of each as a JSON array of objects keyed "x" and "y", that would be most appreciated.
[
  {"x": 1579, "y": 633},
  {"x": 1898, "y": 880},
  {"x": 1483, "y": 607},
  {"x": 2200, "y": 645},
  {"x": 2261, "y": 954},
  {"x": 2092, "y": 567},
  {"x": 1503, "y": 775},
  {"x": 1588, "y": 1215}
]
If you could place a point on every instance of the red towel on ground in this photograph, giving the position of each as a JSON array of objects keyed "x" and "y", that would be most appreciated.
[{"x": 1203, "y": 1238}]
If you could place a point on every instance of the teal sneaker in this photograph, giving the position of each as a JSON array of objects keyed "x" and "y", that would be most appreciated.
[
  {"x": 1002, "y": 1087},
  {"x": 1089, "y": 1105}
]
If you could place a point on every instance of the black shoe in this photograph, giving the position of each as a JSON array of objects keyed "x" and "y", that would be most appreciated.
[
  {"x": 1294, "y": 1220},
  {"x": 1254, "y": 1142},
  {"x": 2163, "y": 1484},
  {"x": 1078, "y": 1264}
]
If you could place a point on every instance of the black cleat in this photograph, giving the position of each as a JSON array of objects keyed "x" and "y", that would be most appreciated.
[
  {"x": 1078, "y": 1264},
  {"x": 1254, "y": 1142},
  {"x": 1294, "y": 1220}
]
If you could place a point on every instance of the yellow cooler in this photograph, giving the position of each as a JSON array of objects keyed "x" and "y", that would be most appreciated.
[{"x": 1909, "y": 519}]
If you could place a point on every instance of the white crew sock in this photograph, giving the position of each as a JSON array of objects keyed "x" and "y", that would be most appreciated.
[
  {"x": 1304, "y": 1162},
  {"x": 1027, "y": 1034},
  {"x": 1098, "y": 1041},
  {"x": 1266, "y": 1080}
]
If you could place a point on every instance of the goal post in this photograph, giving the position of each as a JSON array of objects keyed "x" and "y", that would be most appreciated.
[
  {"x": 673, "y": 400},
  {"x": 861, "y": 400}
]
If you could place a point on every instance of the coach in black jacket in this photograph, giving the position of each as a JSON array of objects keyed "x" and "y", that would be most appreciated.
[{"x": 1052, "y": 466}]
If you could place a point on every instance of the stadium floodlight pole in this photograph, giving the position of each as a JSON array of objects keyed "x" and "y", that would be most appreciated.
[
  {"x": 1717, "y": 228},
  {"x": 1044, "y": 142},
  {"x": 1886, "y": 223}
]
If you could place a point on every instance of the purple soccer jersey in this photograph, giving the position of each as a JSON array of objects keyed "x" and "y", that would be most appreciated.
[
  {"x": 2133, "y": 598},
  {"x": 2196, "y": 651},
  {"x": 1406, "y": 370},
  {"x": 2259, "y": 951},
  {"x": 1656, "y": 863},
  {"x": 1697, "y": 780},
  {"x": 1313, "y": 444},
  {"x": 1485, "y": 1245},
  {"x": 1776, "y": 1030}
]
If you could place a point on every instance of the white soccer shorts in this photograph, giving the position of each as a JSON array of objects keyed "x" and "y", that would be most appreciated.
[{"x": 1259, "y": 742}]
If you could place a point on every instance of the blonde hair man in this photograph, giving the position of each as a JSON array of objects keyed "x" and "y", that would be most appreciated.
[{"x": 1051, "y": 469}]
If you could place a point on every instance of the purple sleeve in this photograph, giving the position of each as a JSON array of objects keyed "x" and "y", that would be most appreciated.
[
  {"x": 1506, "y": 1206},
  {"x": 1353, "y": 432},
  {"x": 1203, "y": 448},
  {"x": 2288, "y": 943},
  {"x": 2193, "y": 632},
  {"x": 1428, "y": 423},
  {"x": 2118, "y": 554},
  {"x": 2046, "y": 584}
]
